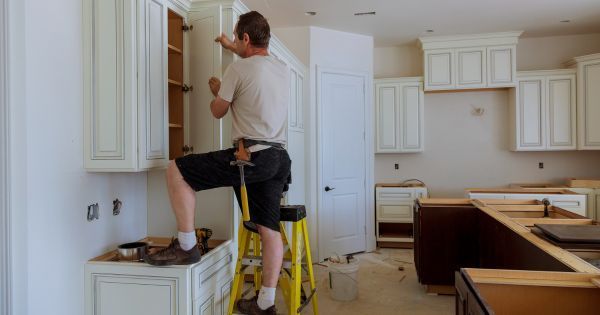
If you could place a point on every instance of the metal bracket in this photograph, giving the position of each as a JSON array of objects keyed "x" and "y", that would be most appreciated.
[
  {"x": 93, "y": 212},
  {"x": 186, "y": 28},
  {"x": 186, "y": 88}
]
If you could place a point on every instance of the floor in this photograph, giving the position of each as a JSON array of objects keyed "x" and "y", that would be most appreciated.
[{"x": 382, "y": 288}]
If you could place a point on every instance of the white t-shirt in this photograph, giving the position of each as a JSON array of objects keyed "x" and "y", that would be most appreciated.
[{"x": 258, "y": 89}]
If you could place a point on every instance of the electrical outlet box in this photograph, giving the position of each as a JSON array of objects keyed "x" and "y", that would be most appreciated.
[
  {"x": 541, "y": 165},
  {"x": 396, "y": 166}
]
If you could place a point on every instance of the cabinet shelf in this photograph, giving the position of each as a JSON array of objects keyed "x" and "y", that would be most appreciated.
[
  {"x": 174, "y": 50},
  {"x": 173, "y": 82}
]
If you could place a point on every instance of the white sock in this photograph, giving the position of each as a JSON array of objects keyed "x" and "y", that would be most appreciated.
[
  {"x": 187, "y": 240},
  {"x": 266, "y": 297}
]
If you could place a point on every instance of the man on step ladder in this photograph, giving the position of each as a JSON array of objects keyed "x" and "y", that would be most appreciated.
[{"x": 255, "y": 89}]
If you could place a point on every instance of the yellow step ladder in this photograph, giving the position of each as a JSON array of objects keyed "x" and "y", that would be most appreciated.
[{"x": 296, "y": 258}]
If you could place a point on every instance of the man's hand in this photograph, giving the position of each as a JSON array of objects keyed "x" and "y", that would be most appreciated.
[
  {"x": 215, "y": 85},
  {"x": 225, "y": 42}
]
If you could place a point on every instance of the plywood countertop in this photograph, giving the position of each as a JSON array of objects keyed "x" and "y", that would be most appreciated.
[
  {"x": 407, "y": 185},
  {"x": 557, "y": 191},
  {"x": 566, "y": 257}
]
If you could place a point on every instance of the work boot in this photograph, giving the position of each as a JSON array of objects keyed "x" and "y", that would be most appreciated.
[
  {"x": 250, "y": 307},
  {"x": 174, "y": 255}
]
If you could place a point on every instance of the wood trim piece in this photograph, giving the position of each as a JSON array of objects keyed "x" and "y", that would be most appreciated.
[
  {"x": 583, "y": 183},
  {"x": 441, "y": 289},
  {"x": 444, "y": 201},
  {"x": 547, "y": 191}
]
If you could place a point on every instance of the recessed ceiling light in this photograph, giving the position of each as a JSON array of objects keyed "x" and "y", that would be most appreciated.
[
  {"x": 429, "y": 31},
  {"x": 565, "y": 21},
  {"x": 310, "y": 13},
  {"x": 364, "y": 13}
]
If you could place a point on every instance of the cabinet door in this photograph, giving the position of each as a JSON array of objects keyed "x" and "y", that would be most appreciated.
[
  {"x": 130, "y": 295},
  {"x": 293, "y": 108},
  {"x": 596, "y": 207},
  {"x": 471, "y": 68},
  {"x": 411, "y": 117},
  {"x": 588, "y": 107},
  {"x": 531, "y": 114},
  {"x": 561, "y": 112},
  {"x": 110, "y": 98},
  {"x": 152, "y": 84},
  {"x": 386, "y": 100},
  {"x": 205, "y": 306},
  {"x": 224, "y": 294},
  {"x": 501, "y": 61},
  {"x": 439, "y": 69}
]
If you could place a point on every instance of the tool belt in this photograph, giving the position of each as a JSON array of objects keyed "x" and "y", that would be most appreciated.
[{"x": 249, "y": 142}]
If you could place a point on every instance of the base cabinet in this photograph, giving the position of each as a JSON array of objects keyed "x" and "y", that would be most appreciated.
[
  {"x": 132, "y": 288},
  {"x": 576, "y": 203},
  {"x": 394, "y": 212}
]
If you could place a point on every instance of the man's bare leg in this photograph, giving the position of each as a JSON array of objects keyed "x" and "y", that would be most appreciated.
[
  {"x": 183, "y": 202},
  {"x": 272, "y": 254}
]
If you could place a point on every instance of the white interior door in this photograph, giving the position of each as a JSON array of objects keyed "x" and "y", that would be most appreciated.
[{"x": 342, "y": 163}]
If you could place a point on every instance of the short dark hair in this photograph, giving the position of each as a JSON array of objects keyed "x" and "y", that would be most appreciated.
[{"x": 257, "y": 28}]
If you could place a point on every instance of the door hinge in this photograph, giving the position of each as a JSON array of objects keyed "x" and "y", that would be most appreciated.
[
  {"x": 185, "y": 88},
  {"x": 186, "y": 27}
]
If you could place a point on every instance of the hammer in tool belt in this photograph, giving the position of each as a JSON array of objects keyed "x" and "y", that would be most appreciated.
[{"x": 243, "y": 159}]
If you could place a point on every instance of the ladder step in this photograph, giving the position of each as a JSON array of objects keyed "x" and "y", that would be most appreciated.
[{"x": 252, "y": 260}]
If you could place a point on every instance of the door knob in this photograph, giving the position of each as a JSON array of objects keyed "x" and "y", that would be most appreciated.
[{"x": 327, "y": 188}]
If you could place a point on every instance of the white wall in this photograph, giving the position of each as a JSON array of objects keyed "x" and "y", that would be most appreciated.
[
  {"x": 52, "y": 190},
  {"x": 462, "y": 150},
  {"x": 343, "y": 51},
  {"x": 297, "y": 40}
]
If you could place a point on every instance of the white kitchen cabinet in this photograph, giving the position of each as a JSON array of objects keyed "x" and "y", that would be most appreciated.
[
  {"x": 501, "y": 66},
  {"x": 543, "y": 111},
  {"x": 125, "y": 85},
  {"x": 592, "y": 201},
  {"x": 296, "y": 128},
  {"x": 394, "y": 212},
  {"x": 575, "y": 203},
  {"x": 399, "y": 115},
  {"x": 588, "y": 101},
  {"x": 469, "y": 61},
  {"x": 114, "y": 287}
]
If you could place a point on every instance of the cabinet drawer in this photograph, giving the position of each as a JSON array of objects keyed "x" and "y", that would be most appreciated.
[
  {"x": 389, "y": 211},
  {"x": 391, "y": 193}
]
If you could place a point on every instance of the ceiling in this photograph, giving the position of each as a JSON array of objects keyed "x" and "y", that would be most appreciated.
[{"x": 400, "y": 22}]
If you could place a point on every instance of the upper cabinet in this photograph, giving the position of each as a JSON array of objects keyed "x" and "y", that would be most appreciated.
[
  {"x": 543, "y": 110},
  {"x": 399, "y": 114},
  {"x": 125, "y": 85},
  {"x": 469, "y": 61},
  {"x": 588, "y": 101}
]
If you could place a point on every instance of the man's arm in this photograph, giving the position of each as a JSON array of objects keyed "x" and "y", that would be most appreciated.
[
  {"x": 226, "y": 43},
  {"x": 219, "y": 107}
]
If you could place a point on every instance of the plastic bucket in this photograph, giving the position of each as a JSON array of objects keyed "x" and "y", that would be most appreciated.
[{"x": 343, "y": 280}]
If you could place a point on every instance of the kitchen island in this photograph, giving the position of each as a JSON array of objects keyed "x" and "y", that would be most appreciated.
[{"x": 461, "y": 233}]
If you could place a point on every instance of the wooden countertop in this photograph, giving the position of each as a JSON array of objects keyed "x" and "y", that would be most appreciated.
[
  {"x": 558, "y": 191},
  {"x": 566, "y": 257},
  {"x": 409, "y": 185}
]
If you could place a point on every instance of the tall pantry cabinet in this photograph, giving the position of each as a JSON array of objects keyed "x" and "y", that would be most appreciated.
[{"x": 588, "y": 101}]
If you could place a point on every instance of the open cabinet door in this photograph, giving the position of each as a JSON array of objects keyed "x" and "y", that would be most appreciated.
[{"x": 213, "y": 207}]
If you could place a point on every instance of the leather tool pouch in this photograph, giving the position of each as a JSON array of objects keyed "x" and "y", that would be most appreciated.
[{"x": 242, "y": 153}]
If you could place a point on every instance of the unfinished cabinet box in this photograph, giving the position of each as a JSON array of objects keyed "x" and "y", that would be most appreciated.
[
  {"x": 399, "y": 115},
  {"x": 394, "y": 213},
  {"x": 515, "y": 292},
  {"x": 562, "y": 198},
  {"x": 543, "y": 111},
  {"x": 469, "y": 61}
]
